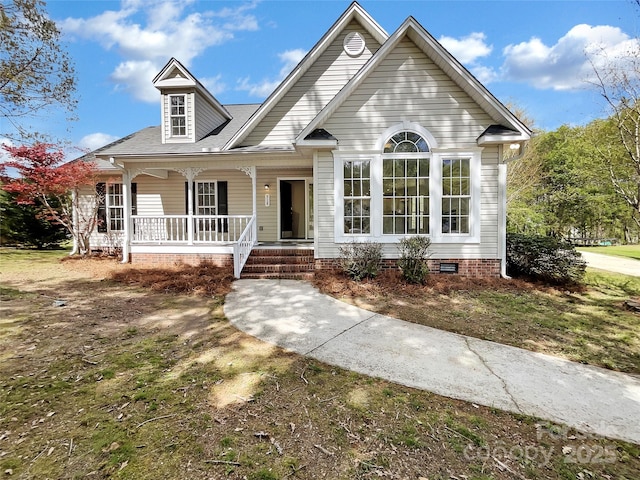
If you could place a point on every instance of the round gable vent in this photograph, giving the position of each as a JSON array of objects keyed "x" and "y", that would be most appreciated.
[{"x": 354, "y": 44}]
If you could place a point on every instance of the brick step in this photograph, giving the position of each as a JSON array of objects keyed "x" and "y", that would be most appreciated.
[
  {"x": 280, "y": 263},
  {"x": 277, "y": 267},
  {"x": 269, "y": 259},
  {"x": 278, "y": 276},
  {"x": 268, "y": 252}
]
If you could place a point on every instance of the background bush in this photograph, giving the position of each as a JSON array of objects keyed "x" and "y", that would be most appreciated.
[
  {"x": 544, "y": 258},
  {"x": 414, "y": 254},
  {"x": 361, "y": 260}
]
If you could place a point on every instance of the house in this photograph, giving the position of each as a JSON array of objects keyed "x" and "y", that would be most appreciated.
[{"x": 372, "y": 137}]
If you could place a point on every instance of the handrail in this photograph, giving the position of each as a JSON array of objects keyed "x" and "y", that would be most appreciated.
[
  {"x": 242, "y": 248},
  {"x": 185, "y": 229}
]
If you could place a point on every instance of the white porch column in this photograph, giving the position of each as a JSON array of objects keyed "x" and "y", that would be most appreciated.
[
  {"x": 190, "y": 176},
  {"x": 255, "y": 202},
  {"x": 252, "y": 173},
  {"x": 502, "y": 215},
  {"x": 128, "y": 221}
]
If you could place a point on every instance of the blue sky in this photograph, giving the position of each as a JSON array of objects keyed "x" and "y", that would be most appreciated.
[{"x": 531, "y": 53}]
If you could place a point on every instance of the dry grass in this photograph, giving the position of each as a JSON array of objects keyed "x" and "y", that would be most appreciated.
[{"x": 127, "y": 382}]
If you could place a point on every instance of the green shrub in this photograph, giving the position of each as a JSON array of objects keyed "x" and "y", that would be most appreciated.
[
  {"x": 544, "y": 258},
  {"x": 361, "y": 260},
  {"x": 414, "y": 253}
]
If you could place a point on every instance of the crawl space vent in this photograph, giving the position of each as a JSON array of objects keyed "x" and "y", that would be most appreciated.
[{"x": 354, "y": 44}]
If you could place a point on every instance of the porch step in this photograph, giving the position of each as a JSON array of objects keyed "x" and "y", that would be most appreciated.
[{"x": 296, "y": 264}]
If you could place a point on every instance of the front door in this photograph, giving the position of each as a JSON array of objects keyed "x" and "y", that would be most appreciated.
[{"x": 296, "y": 208}]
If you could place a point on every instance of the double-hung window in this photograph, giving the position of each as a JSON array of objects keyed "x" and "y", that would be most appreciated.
[
  {"x": 206, "y": 198},
  {"x": 456, "y": 195},
  {"x": 111, "y": 206},
  {"x": 411, "y": 187},
  {"x": 357, "y": 196},
  {"x": 178, "y": 115}
]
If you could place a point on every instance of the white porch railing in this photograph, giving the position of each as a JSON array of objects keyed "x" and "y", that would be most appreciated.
[
  {"x": 175, "y": 229},
  {"x": 242, "y": 248}
]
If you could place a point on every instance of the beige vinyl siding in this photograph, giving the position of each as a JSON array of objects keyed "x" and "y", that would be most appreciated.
[
  {"x": 325, "y": 207},
  {"x": 487, "y": 248},
  {"x": 207, "y": 118},
  {"x": 328, "y": 75},
  {"x": 407, "y": 85}
]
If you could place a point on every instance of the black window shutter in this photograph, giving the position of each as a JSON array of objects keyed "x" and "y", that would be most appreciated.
[
  {"x": 101, "y": 192},
  {"x": 134, "y": 199},
  {"x": 223, "y": 206}
]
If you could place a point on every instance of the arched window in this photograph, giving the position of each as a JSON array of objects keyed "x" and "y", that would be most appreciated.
[
  {"x": 406, "y": 142},
  {"x": 405, "y": 185}
]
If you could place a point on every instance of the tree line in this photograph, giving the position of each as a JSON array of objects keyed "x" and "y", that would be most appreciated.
[{"x": 565, "y": 186}]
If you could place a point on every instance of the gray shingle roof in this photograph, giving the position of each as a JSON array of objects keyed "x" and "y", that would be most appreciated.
[{"x": 148, "y": 141}]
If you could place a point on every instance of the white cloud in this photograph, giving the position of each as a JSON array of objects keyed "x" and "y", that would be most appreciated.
[
  {"x": 289, "y": 59},
  {"x": 214, "y": 84},
  {"x": 565, "y": 65},
  {"x": 467, "y": 49},
  {"x": 4, "y": 155},
  {"x": 135, "y": 77},
  {"x": 95, "y": 140},
  {"x": 146, "y": 33}
]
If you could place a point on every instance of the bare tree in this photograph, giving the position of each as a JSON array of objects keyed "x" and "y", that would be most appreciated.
[
  {"x": 36, "y": 74},
  {"x": 617, "y": 79}
]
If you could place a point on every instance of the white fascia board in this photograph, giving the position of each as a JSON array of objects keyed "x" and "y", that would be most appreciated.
[
  {"x": 355, "y": 11},
  {"x": 502, "y": 139}
]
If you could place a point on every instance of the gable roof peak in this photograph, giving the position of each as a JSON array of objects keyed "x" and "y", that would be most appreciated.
[
  {"x": 353, "y": 12},
  {"x": 413, "y": 30}
]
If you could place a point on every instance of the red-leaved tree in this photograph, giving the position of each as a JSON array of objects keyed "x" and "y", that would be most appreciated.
[{"x": 45, "y": 179}]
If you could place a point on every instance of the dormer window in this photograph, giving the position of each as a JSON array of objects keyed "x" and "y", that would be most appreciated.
[{"x": 178, "y": 116}]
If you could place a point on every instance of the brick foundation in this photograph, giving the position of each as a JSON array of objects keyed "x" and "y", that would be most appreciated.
[
  {"x": 466, "y": 267},
  {"x": 170, "y": 259}
]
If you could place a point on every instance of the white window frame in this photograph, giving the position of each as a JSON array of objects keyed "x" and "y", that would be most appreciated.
[
  {"x": 475, "y": 167},
  {"x": 183, "y": 116},
  {"x": 197, "y": 197},
  {"x": 436, "y": 155},
  {"x": 109, "y": 207}
]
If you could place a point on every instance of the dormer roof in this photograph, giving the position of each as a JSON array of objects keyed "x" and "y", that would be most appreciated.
[{"x": 175, "y": 76}]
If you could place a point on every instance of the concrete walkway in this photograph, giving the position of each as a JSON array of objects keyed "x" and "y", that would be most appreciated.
[
  {"x": 627, "y": 266},
  {"x": 296, "y": 316}
]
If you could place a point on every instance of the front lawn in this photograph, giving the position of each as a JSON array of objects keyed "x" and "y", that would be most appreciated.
[
  {"x": 627, "y": 251},
  {"x": 107, "y": 371}
]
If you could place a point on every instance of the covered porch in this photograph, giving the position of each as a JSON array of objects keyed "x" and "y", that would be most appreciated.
[
  {"x": 220, "y": 212},
  {"x": 194, "y": 232}
]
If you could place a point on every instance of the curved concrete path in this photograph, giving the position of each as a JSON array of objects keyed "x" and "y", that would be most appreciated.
[
  {"x": 296, "y": 316},
  {"x": 627, "y": 266}
]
